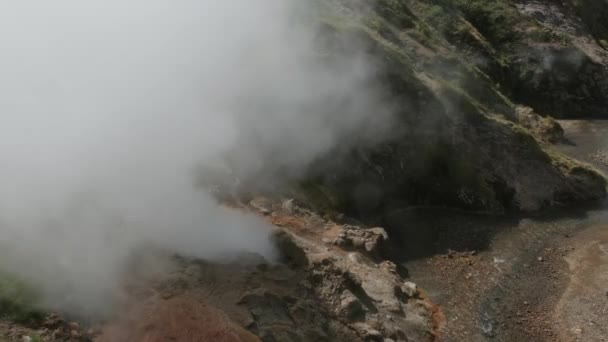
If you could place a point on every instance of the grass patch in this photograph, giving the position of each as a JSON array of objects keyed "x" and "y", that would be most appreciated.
[
  {"x": 18, "y": 301},
  {"x": 567, "y": 164},
  {"x": 576, "y": 169}
]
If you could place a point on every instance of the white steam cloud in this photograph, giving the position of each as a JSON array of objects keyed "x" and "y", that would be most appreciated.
[{"x": 107, "y": 108}]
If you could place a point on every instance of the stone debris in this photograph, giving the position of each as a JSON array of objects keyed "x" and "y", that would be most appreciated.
[
  {"x": 369, "y": 240},
  {"x": 410, "y": 289},
  {"x": 356, "y": 288}
]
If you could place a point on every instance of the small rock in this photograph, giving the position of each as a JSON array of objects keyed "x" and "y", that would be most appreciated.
[
  {"x": 393, "y": 306},
  {"x": 351, "y": 279},
  {"x": 487, "y": 326},
  {"x": 373, "y": 335},
  {"x": 74, "y": 326},
  {"x": 370, "y": 240},
  {"x": 390, "y": 266},
  {"x": 57, "y": 333},
  {"x": 53, "y": 321},
  {"x": 410, "y": 289},
  {"x": 288, "y": 206},
  {"x": 541, "y": 259},
  {"x": 356, "y": 257},
  {"x": 350, "y": 307}
]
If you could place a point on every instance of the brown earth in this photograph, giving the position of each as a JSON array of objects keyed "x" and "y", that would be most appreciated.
[
  {"x": 582, "y": 311},
  {"x": 508, "y": 279},
  {"x": 176, "y": 319}
]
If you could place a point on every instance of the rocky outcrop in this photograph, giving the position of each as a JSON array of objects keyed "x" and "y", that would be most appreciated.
[
  {"x": 462, "y": 140},
  {"x": 316, "y": 291},
  {"x": 371, "y": 241},
  {"x": 548, "y": 55},
  {"x": 545, "y": 129},
  {"x": 350, "y": 284},
  {"x": 465, "y": 135}
]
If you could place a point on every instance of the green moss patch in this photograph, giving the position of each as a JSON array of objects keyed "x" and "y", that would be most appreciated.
[{"x": 18, "y": 300}]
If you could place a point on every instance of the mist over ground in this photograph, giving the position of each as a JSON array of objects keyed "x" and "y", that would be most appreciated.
[{"x": 108, "y": 107}]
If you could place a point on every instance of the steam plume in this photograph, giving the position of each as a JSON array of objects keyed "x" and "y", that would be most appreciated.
[{"x": 107, "y": 107}]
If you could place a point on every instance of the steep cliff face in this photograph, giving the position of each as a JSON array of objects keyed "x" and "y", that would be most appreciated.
[{"x": 463, "y": 74}]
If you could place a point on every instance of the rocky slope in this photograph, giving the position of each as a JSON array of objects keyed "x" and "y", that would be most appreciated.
[
  {"x": 547, "y": 54},
  {"x": 475, "y": 83},
  {"x": 469, "y": 79}
]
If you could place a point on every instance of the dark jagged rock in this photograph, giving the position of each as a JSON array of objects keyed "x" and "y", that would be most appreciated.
[{"x": 372, "y": 241}]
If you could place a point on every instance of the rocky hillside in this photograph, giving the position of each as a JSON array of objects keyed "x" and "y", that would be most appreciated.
[
  {"x": 549, "y": 55},
  {"x": 477, "y": 84}
]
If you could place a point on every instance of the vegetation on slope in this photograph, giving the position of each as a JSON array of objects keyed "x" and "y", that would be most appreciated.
[
  {"x": 18, "y": 301},
  {"x": 540, "y": 53},
  {"x": 462, "y": 141}
]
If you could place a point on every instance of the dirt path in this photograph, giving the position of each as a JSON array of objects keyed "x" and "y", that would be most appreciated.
[
  {"x": 541, "y": 279},
  {"x": 501, "y": 289},
  {"x": 582, "y": 311}
]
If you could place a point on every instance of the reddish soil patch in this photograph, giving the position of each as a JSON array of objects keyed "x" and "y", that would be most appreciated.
[{"x": 176, "y": 319}]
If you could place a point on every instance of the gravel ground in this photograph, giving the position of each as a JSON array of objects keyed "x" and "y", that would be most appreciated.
[{"x": 520, "y": 279}]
